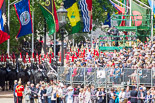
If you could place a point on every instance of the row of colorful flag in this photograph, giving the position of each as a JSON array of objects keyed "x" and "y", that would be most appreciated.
[{"x": 22, "y": 9}]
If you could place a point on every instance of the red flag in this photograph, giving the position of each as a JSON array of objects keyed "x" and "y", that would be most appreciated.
[
  {"x": 89, "y": 3},
  {"x": 1, "y": 3},
  {"x": 56, "y": 17},
  {"x": 3, "y": 37}
]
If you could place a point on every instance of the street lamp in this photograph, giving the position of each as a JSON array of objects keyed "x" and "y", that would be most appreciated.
[{"x": 62, "y": 14}]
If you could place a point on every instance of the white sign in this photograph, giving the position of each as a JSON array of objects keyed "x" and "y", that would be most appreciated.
[{"x": 101, "y": 74}]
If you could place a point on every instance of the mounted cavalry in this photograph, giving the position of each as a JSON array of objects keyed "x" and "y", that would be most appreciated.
[{"x": 26, "y": 69}]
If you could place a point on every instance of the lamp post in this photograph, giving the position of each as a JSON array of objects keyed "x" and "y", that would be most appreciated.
[{"x": 62, "y": 14}]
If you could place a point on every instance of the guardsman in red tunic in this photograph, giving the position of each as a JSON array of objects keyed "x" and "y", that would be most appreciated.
[{"x": 19, "y": 92}]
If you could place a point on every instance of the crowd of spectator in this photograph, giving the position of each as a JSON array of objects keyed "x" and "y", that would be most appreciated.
[
  {"x": 57, "y": 92},
  {"x": 141, "y": 56}
]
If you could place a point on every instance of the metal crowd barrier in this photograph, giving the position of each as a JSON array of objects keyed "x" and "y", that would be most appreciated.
[{"x": 107, "y": 77}]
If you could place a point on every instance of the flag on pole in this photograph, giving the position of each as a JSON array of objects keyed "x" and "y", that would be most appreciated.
[
  {"x": 139, "y": 13},
  {"x": 3, "y": 23},
  {"x": 121, "y": 10},
  {"x": 150, "y": 3},
  {"x": 86, "y": 11},
  {"x": 50, "y": 14},
  {"x": 117, "y": 7},
  {"x": 73, "y": 15},
  {"x": 22, "y": 9},
  {"x": 108, "y": 20}
]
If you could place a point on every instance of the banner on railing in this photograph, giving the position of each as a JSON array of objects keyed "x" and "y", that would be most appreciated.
[{"x": 101, "y": 74}]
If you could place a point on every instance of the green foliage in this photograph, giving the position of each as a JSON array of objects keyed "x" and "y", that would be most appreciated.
[{"x": 99, "y": 15}]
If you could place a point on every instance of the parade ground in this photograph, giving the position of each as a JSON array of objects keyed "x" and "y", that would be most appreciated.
[
  {"x": 6, "y": 97},
  {"x": 6, "y": 100}
]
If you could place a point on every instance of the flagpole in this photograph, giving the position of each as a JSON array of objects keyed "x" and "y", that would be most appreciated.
[
  {"x": 130, "y": 21},
  {"x": 91, "y": 39},
  {"x": 33, "y": 28},
  {"x": 8, "y": 42},
  {"x": 55, "y": 45},
  {"x": 143, "y": 4},
  {"x": 152, "y": 21}
]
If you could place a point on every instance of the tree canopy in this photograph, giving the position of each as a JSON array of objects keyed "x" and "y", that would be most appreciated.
[{"x": 99, "y": 15}]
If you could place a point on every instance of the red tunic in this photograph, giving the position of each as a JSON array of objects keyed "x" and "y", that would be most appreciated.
[{"x": 19, "y": 90}]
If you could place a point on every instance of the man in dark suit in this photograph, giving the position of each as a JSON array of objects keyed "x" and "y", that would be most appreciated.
[
  {"x": 133, "y": 95},
  {"x": 32, "y": 93},
  {"x": 115, "y": 33}
]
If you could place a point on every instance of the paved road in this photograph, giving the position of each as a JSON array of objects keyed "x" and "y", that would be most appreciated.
[
  {"x": 6, "y": 100},
  {"x": 6, "y": 97}
]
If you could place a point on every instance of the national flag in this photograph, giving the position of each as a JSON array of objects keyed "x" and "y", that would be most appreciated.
[
  {"x": 107, "y": 21},
  {"x": 3, "y": 23},
  {"x": 121, "y": 10},
  {"x": 86, "y": 11},
  {"x": 139, "y": 11},
  {"x": 22, "y": 9},
  {"x": 150, "y": 3},
  {"x": 73, "y": 15},
  {"x": 50, "y": 14},
  {"x": 89, "y": 3},
  {"x": 117, "y": 7}
]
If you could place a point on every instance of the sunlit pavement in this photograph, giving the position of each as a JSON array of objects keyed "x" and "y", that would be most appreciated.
[
  {"x": 6, "y": 100},
  {"x": 6, "y": 97}
]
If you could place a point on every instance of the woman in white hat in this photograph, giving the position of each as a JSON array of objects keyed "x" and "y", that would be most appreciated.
[
  {"x": 81, "y": 98},
  {"x": 69, "y": 98}
]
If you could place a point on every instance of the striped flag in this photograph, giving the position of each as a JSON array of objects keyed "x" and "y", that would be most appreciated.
[{"x": 86, "y": 11}]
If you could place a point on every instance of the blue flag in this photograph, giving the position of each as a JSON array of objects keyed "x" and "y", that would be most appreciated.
[
  {"x": 150, "y": 3},
  {"x": 85, "y": 15},
  {"x": 24, "y": 16}
]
